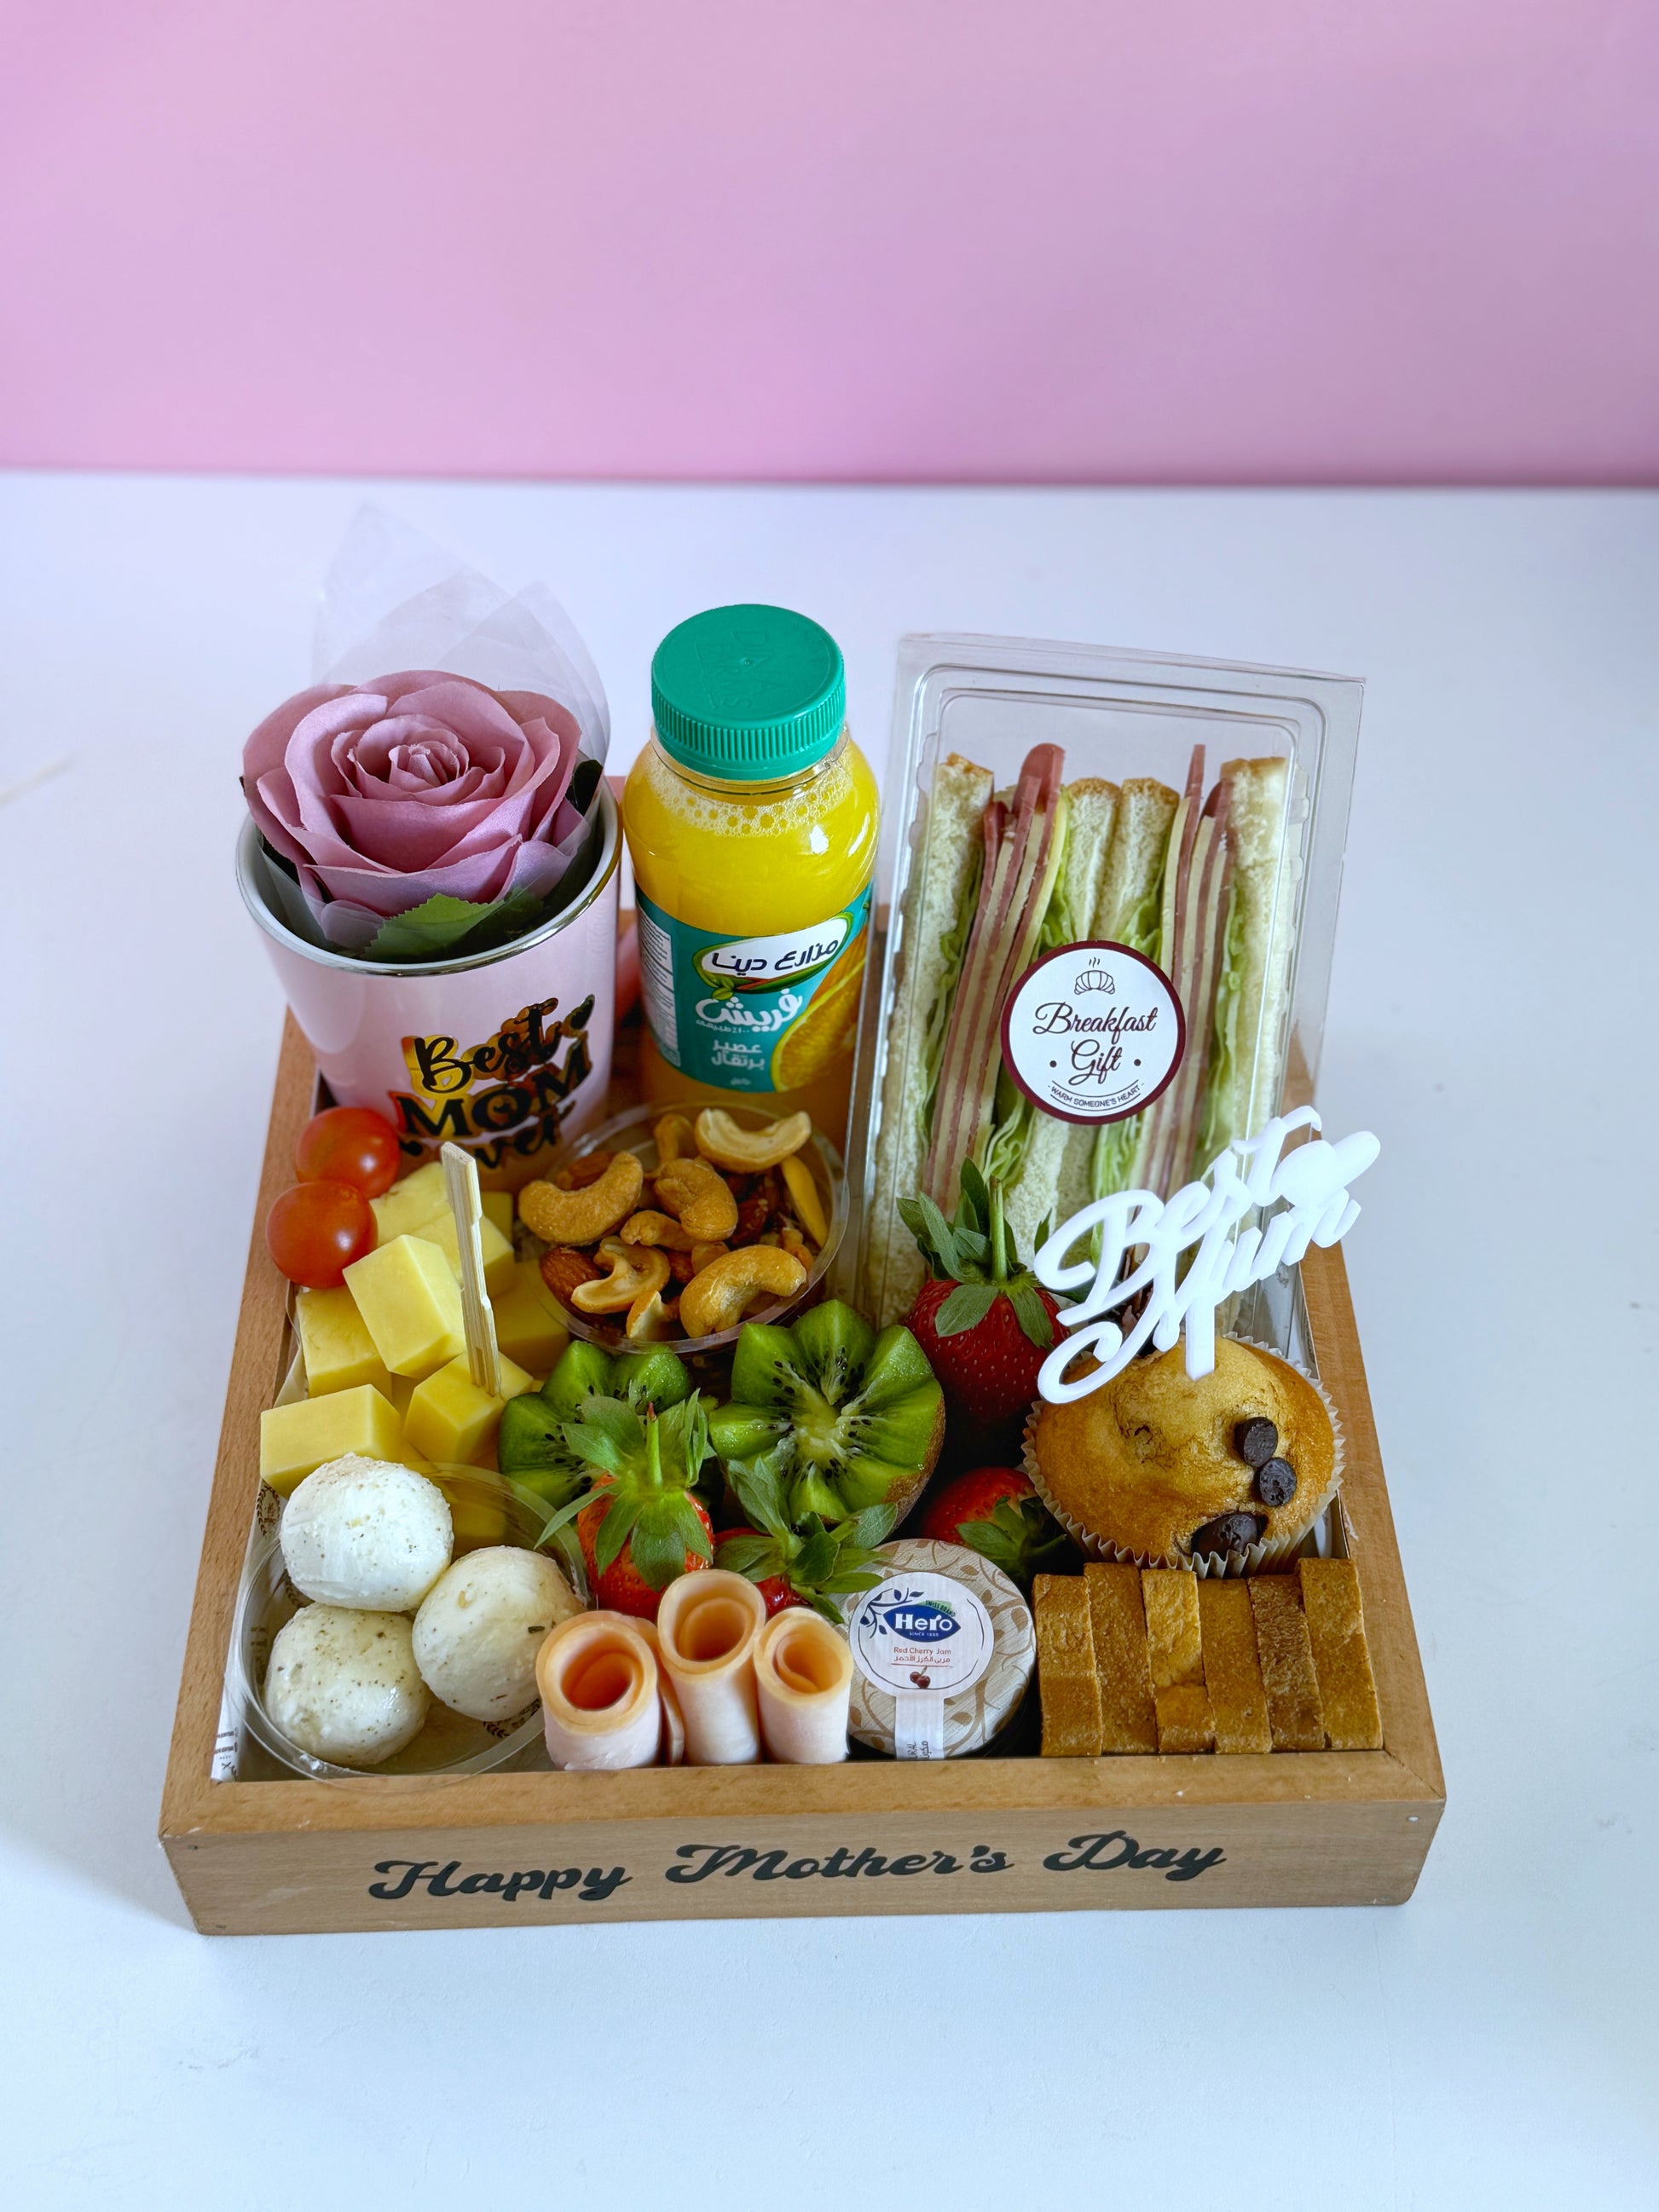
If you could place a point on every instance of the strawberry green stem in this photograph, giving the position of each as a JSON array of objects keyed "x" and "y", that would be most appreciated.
[
  {"x": 998, "y": 1236},
  {"x": 652, "y": 1451}
]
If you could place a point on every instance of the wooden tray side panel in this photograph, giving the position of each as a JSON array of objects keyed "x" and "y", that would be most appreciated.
[
  {"x": 1170, "y": 1858},
  {"x": 254, "y": 1379},
  {"x": 1402, "y": 1694}
]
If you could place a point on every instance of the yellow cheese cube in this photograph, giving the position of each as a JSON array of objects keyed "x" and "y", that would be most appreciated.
[
  {"x": 295, "y": 1440},
  {"x": 527, "y": 1331},
  {"x": 450, "y": 1417},
  {"x": 405, "y": 1209},
  {"x": 339, "y": 1352},
  {"x": 500, "y": 1268},
  {"x": 498, "y": 1208},
  {"x": 477, "y": 1506},
  {"x": 410, "y": 1304}
]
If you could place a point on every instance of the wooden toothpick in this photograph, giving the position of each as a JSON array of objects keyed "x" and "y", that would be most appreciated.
[{"x": 483, "y": 1357}]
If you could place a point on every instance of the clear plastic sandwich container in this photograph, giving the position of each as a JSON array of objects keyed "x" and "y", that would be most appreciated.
[{"x": 1117, "y": 715}]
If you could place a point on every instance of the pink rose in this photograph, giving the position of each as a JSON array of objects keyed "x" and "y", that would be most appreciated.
[{"x": 383, "y": 794}]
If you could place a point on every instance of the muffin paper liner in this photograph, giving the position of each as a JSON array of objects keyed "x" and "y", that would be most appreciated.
[{"x": 1250, "y": 1561}]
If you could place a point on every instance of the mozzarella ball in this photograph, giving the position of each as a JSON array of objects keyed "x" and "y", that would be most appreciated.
[
  {"x": 342, "y": 1684},
  {"x": 478, "y": 1633},
  {"x": 365, "y": 1533}
]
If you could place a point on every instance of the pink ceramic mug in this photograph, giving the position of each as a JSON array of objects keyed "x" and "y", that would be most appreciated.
[{"x": 507, "y": 1053}]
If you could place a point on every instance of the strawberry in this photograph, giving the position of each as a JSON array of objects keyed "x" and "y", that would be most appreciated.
[
  {"x": 805, "y": 1564},
  {"x": 994, "y": 1511},
  {"x": 985, "y": 1323},
  {"x": 772, "y": 1587},
  {"x": 640, "y": 1526}
]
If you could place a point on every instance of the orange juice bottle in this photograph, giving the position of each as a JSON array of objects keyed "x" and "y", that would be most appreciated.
[{"x": 751, "y": 820}]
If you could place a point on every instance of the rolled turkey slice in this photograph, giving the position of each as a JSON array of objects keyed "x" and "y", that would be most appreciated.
[
  {"x": 804, "y": 1678},
  {"x": 708, "y": 1627},
  {"x": 598, "y": 1678},
  {"x": 673, "y": 1720}
]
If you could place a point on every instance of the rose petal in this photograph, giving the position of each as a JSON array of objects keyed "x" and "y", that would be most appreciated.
[
  {"x": 485, "y": 876},
  {"x": 462, "y": 706},
  {"x": 265, "y": 780},
  {"x": 405, "y": 833}
]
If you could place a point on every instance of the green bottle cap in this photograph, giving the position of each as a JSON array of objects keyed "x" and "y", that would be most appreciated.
[{"x": 748, "y": 692}]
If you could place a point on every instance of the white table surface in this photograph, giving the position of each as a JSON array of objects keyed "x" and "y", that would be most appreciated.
[{"x": 1491, "y": 2044}]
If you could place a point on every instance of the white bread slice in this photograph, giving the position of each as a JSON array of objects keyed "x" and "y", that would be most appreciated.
[
  {"x": 1266, "y": 870},
  {"x": 1134, "y": 863},
  {"x": 1134, "y": 869},
  {"x": 950, "y": 849},
  {"x": 1035, "y": 1192}
]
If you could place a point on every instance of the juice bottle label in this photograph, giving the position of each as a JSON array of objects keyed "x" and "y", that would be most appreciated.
[{"x": 752, "y": 1013}]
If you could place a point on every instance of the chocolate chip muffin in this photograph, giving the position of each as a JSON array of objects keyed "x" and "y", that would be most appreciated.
[{"x": 1163, "y": 1468}]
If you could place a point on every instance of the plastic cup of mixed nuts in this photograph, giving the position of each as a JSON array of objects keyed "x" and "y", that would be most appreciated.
[{"x": 673, "y": 1227}]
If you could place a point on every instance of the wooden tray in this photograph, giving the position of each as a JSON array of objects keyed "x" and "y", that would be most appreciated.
[{"x": 985, "y": 1835}]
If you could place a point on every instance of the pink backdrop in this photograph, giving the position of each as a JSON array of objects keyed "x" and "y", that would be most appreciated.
[{"x": 1044, "y": 238}]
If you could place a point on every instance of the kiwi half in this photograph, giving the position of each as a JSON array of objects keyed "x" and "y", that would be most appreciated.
[
  {"x": 848, "y": 1419},
  {"x": 531, "y": 1451}
]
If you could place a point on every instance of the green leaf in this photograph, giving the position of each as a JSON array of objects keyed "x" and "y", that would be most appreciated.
[
  {"x": 668, "y": 1528},
  {"x": 607, "y": 1434},
  {"x": 758, "y": 1557},
  {"x": 975, "y": 1197},
  {"x": 871, "y": 1527},
  {"x": 853, "y": 1580},
  {"x": 759, "y": 1485},
  {"x": 965, "y": 1308},
  {"x": 683, "y": 1433},
  {"x": 555, "y": 1521},
  {"x": 613, "y": 1531},
  {"x": 1023, "y": 1539},
  {"x": 441, "y": 926},
  {"x": 814, "y": 1557},
  {"x": 973, "y": 1252},
  {"x": 1032, "y": 1313},
  {"x": 941, "y": 1240},
  {"x": 658, "y": 1555}
]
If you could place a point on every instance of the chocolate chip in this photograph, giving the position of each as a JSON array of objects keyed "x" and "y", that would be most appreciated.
[
  {"x": 1275, "y": 1482},
  {"x": 1255, "y": 1442},
  {"x": 1228, "y": 1531}
]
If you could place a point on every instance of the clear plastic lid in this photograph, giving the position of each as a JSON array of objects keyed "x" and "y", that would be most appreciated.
[{"x": 1271, "y": 750}]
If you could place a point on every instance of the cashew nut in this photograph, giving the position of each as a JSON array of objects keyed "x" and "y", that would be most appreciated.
[
  {"x": 672, "y": 1136},
  {"x": 581, "y": 1217},
  {"x": 806, "y": 1198},
  {"x": 746, "y": 1152},
  {"x": 636, "y": 1272},
  {"x": 704, "y": 1255},
  {"x": 661, "y": 1229},
  {"x": 718, "y": 1297},
  {"x": 792, "y": 1241},
  {"x": 701, "y": 1198},
  {"x": 649, "y": 1320}
]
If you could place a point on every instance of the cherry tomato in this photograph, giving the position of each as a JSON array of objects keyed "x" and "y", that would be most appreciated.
[
  {"x": 349, "y": 1144},
  {"x": 315, "y": 1230}
]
